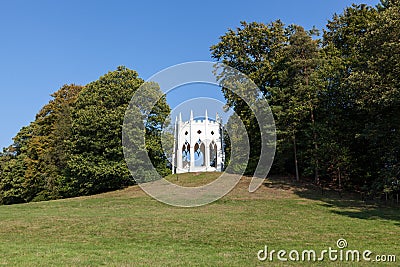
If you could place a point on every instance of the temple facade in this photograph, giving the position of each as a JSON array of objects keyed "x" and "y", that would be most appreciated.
[{"x": 198, "y": 145}]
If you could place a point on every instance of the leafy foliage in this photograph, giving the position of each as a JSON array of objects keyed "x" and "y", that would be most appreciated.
[
  {"x": 334, "y": 99},
  {"x": 34, "y": 165},
  {"x": 74, "y": 146}
]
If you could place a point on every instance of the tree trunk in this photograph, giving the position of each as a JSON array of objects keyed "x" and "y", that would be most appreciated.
[
  {"x": 340, "y": 182},
  {"x": 316, "y": 177},
  {"x": 295, "y": 158}
]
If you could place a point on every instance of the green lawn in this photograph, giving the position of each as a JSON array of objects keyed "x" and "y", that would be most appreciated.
[{"x": 129, "y": 228}]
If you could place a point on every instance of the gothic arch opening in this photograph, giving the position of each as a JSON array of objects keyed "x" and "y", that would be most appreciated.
[
  {"x": 185, "y": 155},
  {"x": 199, "y": 154},
  {"x": 213, "y": 154}
]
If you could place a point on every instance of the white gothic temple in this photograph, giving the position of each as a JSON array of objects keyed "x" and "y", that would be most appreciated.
[{"x": 198, "y": 145}]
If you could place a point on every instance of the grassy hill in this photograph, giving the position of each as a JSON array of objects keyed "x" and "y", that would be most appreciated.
[{"x": 129, "y": 228}]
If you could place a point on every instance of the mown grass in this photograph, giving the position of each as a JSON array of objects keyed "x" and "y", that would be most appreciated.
[{"x": 129, "y": 228}]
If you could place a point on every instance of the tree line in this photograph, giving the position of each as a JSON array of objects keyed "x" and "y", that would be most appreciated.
[{"x": 335, "y": 96}]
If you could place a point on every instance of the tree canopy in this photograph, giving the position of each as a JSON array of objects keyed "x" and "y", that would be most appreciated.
[
  {"x": 334, "y": 98},
  {"x": 74, "y": 146}
]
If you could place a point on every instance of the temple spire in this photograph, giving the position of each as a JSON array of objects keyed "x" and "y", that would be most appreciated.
[
  {"x": 206, "y": 117},
  {"x": 191, "y": 115}
]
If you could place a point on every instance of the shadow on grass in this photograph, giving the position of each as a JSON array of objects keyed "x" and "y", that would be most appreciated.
[{"x": 339, "y": 202}]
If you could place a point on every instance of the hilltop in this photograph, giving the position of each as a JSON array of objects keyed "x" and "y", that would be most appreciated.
[{"x": 129, "y": 228}]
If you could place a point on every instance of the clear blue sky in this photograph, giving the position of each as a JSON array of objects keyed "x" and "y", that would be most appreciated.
[{"x": 45, "y": 44}]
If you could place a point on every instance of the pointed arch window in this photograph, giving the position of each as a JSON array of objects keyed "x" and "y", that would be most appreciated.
[
  {"x": 186, "y": 154},
  {"x": 199, "y": 153},
  {"x": 213, "y": 154}
]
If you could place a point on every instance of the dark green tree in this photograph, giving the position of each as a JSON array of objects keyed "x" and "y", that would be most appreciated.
[
  {"x": 97, "y": 162},
  {"x": 296, "y": 95},
  {"x": 253, "y": 49},
  {"x": 281, "y": 61}
]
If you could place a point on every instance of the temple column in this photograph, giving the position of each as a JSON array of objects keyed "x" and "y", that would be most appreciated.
[
  {"x": 178, "y": 151},
  {"x": 206, "y": 143},
  {"x": 173, "y": 159},
  {"x": 179, "y": 159},
  {"x": 207, "y": 154},
  {"x": 192, "y": 143}
]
